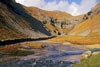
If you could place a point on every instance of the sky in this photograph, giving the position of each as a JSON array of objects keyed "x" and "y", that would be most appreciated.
[{"x": 73, "y": 7}]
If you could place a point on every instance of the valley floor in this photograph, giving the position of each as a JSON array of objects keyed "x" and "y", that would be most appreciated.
[
  {"x": 55, "y": 54},
  {"x": 45, "y": 53}
]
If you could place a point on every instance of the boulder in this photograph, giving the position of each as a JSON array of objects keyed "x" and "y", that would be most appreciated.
[
  {"x": 86, "y": 54},
  {"x": 95, "y": 53}
]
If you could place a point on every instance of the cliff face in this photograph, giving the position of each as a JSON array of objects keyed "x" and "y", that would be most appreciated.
[{"x": 15, "y": 22}]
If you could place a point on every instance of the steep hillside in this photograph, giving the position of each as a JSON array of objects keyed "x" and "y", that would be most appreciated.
[
  {"x": 90, "y": 27},
  {"x": 86, "y": 32},
  {"x": 54, "y": 21},
  {"x": 18, "y": 21},
  {"x": 89, "y": 30},
  {"x": 15, "y": 22}
]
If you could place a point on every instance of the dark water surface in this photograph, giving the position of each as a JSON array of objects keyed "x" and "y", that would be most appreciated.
[{"x": 54, "y": 55}]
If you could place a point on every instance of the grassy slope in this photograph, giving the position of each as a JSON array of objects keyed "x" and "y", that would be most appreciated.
[
  {"x": 42, "y": 14},
  {"x": 93, "y": 61},
  {"x": 20, "y": 49},
  {"x": 90, "y": 27},
  {"x": 45, "y": 15},
  {"x": 92, "y": 36},
  {"x": 87, "y": 32},
  {"x": 16, "y": 23}
]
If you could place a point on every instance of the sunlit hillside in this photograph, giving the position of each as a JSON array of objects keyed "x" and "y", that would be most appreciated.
[
  {"x": 87, "y": 32},
  {"x": 33, "y": 36},
  {"x": 19, "y": 21},
  {"x": 56, "y": 22},
  {"x": 90, "y": 27}
]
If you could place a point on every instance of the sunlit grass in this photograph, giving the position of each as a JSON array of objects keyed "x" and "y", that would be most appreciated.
[
  {"x": 33, "y": 45},
  {"x": 76, "y": 40},
  {"x": 93, "y": 61}
]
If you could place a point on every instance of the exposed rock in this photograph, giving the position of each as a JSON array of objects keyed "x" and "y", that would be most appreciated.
[
  {"x": 95, "y": 53},
  {"x": 18, "y": 21},
  {"x": 86, "y": 54},
  {"x": 60, "y": 22}
]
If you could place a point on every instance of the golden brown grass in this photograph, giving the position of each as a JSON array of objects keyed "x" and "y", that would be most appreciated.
[
  {"x": 87, "y": 32},
  {"x": 65, "y": 30},
  {"x": 6, "y": 34},
  {"x": 93, "y": 61},
  {"x": 76, "y": 39},
  {"x": 16, "y": 49},
  {"x": 83, "y": 40},
  {"x": 90, "y": 27},
  {"x": 50, "y": 27},
  {"x": 33, "y": 45},
  {"x": 8, "y": 48}
]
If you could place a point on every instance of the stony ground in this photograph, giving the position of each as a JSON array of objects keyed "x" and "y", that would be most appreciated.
[{"x": 53, "y": 55}]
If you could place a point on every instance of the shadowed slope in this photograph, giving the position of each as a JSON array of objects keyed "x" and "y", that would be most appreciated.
[{"x": 15, "y": 19}]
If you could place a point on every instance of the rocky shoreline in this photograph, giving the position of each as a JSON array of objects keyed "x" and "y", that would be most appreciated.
[{"x": 53, "y": 54}]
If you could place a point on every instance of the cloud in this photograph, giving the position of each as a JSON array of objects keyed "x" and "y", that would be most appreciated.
[
  {"x": 20, "y": 1},
  {"x": 37, "y": 3},
  {"x": 63, "y": 5}
]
